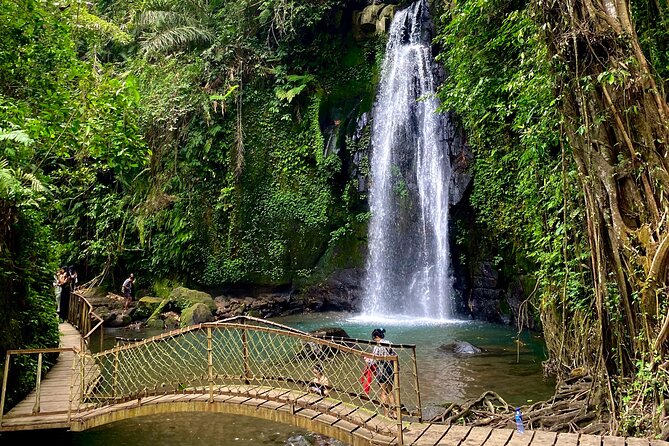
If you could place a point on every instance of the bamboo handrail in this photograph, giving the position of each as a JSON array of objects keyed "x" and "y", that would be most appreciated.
[{"x": 255, "y": 340}]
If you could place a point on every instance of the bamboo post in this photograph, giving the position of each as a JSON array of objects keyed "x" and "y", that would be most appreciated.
[
  {"x": 398, "y": 403},
  {"x": 4, "y": 387},
  {"x": 245, "y": 354},
  {"x": 82, "y": 375},
  {"x": 38, "y": 384},
  {"x": 80, "y": 316},
  {"x": 74, "y": 373},
  {"x": 115, "y": 375},
  {"x": 415, "y": 375},
  {"x": 210, "y": 364}
]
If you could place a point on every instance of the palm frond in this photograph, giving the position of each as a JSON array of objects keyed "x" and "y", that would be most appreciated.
[
  {"x": 177, "y": 38},
  {"x": 112, "y": 32},
  {"x": 19, "y": 136},
  {"x": 35, "y": 184},
  {"x": 156, "y": 19}
]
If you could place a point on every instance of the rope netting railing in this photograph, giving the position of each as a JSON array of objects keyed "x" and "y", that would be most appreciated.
[{"x": 253, "y": 357}]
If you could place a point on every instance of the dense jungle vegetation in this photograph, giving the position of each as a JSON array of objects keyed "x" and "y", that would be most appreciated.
[{"x": 192, "y": 141}]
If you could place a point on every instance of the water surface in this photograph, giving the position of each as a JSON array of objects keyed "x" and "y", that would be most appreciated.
[{"x": 515, "y": 374}]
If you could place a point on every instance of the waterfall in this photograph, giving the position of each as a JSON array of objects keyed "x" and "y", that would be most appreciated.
[{"x": 408, "y": 267}]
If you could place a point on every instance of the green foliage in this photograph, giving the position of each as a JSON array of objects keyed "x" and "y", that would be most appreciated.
[
  {"x": 168, "y": 26},
  {"x": 526, "y": 197},
  {"x": 242, "y": 189}
]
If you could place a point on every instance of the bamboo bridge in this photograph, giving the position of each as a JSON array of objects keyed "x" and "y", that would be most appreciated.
[{"x": 250, "y": 367}]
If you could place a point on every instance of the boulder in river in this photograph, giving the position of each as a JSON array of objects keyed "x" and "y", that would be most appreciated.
[
  {"x": 460, "y": 348},
  {"x": 330, "y": 332}
]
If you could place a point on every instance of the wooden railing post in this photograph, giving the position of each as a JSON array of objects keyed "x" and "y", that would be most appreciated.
[
  {"x": 398, "y": 402},
  {"x": 115, "y": 375},
  {"x": 4, "y": 387},
  {"x": 72, "y": 383},
  {"x": 210, "y": 364},
  {"x": 415, "y": 376},
  {"x": 245, "y": 354},
  {"x": 38, "y": 384}
]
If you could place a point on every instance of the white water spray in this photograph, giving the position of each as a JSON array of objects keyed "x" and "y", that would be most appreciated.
[{"x": 408, "y": 268}]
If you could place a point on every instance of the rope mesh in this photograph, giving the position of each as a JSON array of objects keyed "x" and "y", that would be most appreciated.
[{"x": 255, "y": 358}]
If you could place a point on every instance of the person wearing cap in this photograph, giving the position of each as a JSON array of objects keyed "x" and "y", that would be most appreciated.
[{"x": 126, "y": 289}]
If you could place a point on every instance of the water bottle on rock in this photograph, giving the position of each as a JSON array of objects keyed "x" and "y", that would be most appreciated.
[{"x": 519, "y": 421}]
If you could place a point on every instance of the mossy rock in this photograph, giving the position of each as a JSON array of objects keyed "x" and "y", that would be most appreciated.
[
  {"x": 186, "y": 298},
  {"x": 155, "y": 323},
  {"x": 146, "y": 306},
  {"x": 196, "y": 314},
  {"x": 154, "y": 319}
]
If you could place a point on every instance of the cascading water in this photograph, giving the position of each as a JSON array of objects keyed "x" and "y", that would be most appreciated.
[{"x": 408, "y": 268}]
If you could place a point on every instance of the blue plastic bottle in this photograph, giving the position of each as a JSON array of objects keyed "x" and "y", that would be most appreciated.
[{"x": 519, "y": 421}]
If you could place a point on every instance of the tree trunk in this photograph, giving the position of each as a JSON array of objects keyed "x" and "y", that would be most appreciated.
[{"x": 616, "y": 123}]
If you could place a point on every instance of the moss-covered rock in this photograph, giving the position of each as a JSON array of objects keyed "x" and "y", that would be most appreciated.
[
  {"x": 146, "y": 306},
  {"x": 156, "y": 323},
  {"x": 186, "y": 298},
  {"x": 155, "y": 320},
  {"x": 196, "y": 314}
]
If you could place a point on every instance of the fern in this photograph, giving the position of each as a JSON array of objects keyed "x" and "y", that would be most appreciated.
[{"x": 18, "y": 136}]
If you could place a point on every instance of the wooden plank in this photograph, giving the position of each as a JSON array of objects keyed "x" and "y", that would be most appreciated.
[
  {"x": 307, "y": 413},
  {"x": 327, "y": 404},
  {"x": 613, "y": 441},
  {"x": 253, "y": 402},
  {"x": 477, "y": 436},
  {"x": 518, "y": 439},
  {"x": 499, "y": 437},
  {"x": 382, "y": 425},
  {"x": 360, "y": 416},
  {"x": 326, "y": 419},
  {"x": 433, "y": 434},
  {"x": 273, "y": 405},
  {"x": 543, "y": 438},
  {"x": 237, "y": 399},
  {"x": 633, "y": 441},
  {"x": 455, "y": 435},
  {"x": 414, "y": 431},
  {"x": 345, "y": 426},
  {"x": 589, "y": 440},
  {"x": 343, "y": 410},
  {"x": 262, "y": 391},
  {"x": 565, "y": 439},
  {"x": 276, "y": 394},
  {"x": 150, "y": 399}
]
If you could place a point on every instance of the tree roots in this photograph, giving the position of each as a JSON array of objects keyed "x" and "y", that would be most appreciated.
[{"x": 573, "y": 408}]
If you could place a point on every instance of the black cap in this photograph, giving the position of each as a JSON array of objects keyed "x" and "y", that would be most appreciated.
[{"x": 379, "y": 332}]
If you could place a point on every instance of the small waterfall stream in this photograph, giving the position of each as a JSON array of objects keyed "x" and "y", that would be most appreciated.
[{"x": 408, "y": 267}]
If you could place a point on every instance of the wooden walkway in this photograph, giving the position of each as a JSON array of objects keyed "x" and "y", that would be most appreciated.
[
  {"x": 327, "y": 416},
  {"x": 54, "y": 391}
]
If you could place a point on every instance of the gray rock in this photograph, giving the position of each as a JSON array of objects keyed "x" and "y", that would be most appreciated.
[
  {"x": 327, "y": 332},
  {"x": 461, "y": 348},
  {"x": 342, "y": 291}
]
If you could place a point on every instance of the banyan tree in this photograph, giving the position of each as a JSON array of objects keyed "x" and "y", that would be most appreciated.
[{"x": 615, "y": 121}]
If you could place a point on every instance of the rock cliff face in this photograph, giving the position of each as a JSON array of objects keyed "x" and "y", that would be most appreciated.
[
  {"x": 374, "y": 19},
  {"x": 350, "y": 138}
]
